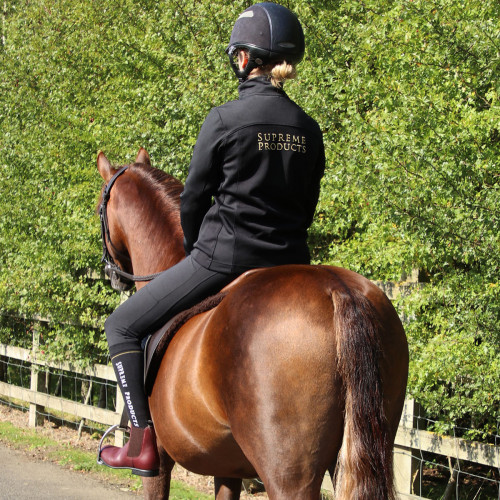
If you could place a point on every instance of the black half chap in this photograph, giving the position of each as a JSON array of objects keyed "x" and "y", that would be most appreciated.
[{"x": 176, "y": 289}]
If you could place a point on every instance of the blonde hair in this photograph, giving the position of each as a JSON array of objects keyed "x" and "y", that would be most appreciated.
[
  {"x": 281, "y": 72},
  {"x": 277, "y": 73}
]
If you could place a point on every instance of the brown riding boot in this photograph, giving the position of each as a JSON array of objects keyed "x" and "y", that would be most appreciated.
[{"x": 140, "y": 454}]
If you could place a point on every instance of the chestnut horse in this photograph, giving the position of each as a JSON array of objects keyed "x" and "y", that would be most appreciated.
[{"x": 298, "y": 371}]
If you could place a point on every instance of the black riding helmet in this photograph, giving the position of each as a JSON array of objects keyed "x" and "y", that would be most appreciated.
[{"x": 270, "y": 33}]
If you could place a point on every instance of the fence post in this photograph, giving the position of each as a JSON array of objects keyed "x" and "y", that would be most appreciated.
[
  {"x": 406, "y": 467},
  {"x": 35, "y": 413}
]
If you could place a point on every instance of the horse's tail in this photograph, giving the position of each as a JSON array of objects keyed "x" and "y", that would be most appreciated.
[{"x": 364, "y": 467}]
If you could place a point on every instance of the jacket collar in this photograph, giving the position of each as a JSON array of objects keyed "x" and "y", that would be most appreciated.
[{"x": 259, "y": 85}]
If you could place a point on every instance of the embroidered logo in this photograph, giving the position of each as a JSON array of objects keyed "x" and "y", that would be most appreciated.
[{"x": 271, "y": 141}]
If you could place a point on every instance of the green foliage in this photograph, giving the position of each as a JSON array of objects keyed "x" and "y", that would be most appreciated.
[
  {"x": 454, "y": 344},
  {"x": 405, "y": 91}
]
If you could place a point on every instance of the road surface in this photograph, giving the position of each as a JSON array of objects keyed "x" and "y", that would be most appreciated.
[{"x": 26, "y": 479}]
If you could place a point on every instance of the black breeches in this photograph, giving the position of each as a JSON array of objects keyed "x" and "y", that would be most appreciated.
[{"x": 176, "y": 289}]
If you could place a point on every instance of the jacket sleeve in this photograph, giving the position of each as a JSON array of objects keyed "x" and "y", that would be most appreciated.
[{"x": 204, "y": 177}]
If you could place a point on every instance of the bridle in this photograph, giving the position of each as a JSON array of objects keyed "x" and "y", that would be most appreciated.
[{"x": 111, "y": 268}]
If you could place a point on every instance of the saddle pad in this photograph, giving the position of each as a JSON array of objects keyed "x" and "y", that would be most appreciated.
[{"x": 157, "y": 343}]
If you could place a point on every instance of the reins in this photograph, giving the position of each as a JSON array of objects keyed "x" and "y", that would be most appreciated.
[{"x": 111, "y": 266}]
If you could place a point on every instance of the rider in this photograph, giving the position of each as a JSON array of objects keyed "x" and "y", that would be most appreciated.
[{"x": 248, "y": 200}]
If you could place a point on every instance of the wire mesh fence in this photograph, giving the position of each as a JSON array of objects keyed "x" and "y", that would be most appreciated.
[
  {"x": 449, "y": 476},
  {"x": 56, "y": 392},
  {"x": 68, "y": 386}
]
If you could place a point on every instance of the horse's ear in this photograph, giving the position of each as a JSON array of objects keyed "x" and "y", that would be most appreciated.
[
  {"x": 143, "y": 157},
  {"x": 104, "y": 167}
]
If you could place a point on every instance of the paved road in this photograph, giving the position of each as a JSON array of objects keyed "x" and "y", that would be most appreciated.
[{"x": 22, "y": 478}]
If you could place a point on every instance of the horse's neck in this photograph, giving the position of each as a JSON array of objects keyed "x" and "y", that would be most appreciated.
[{"x": 154, "y": 242}]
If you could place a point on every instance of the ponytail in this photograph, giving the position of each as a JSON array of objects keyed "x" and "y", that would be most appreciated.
[
  {"x": 281, "y": 72},
  {"x": 277, "y": 73}
]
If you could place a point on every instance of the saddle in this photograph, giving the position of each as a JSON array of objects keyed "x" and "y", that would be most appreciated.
[{"x": 157, "y": 343}]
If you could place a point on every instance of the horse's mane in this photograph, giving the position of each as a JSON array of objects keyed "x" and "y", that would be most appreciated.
[{"x": 167, "y": 186}]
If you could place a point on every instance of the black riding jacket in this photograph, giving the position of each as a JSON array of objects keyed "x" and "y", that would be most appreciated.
[{"x": 253, "y": 182}]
